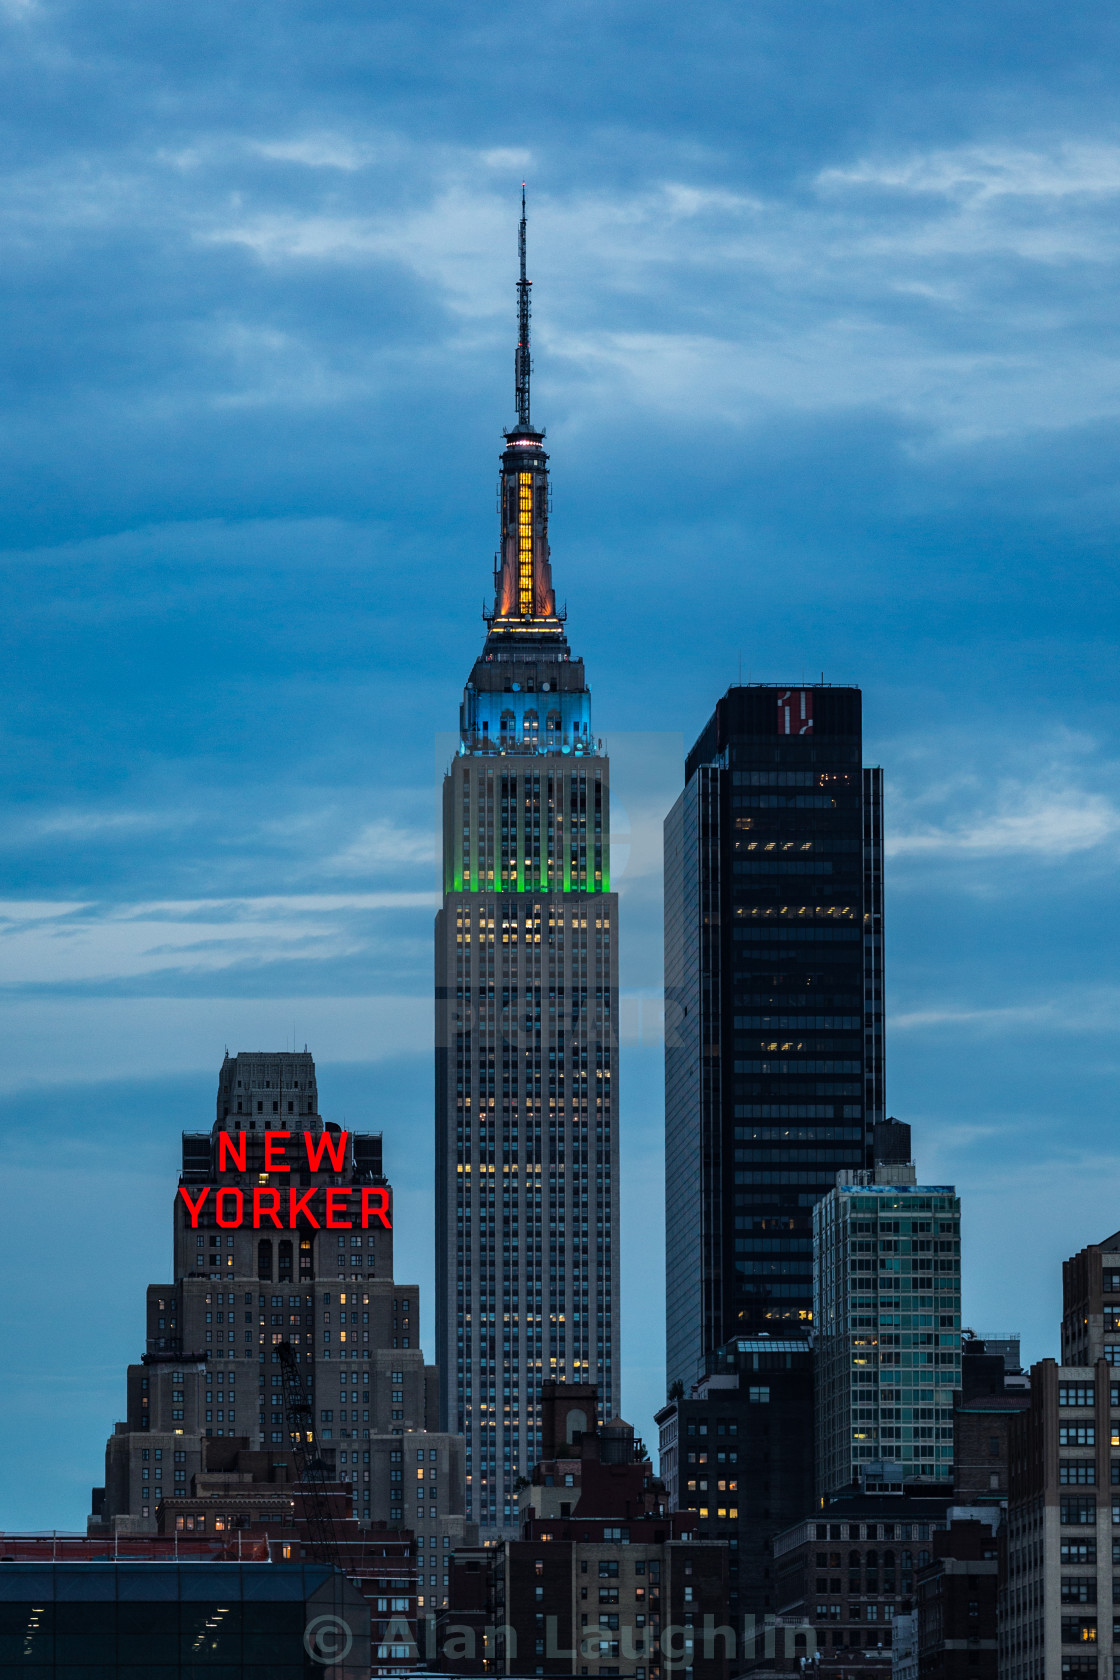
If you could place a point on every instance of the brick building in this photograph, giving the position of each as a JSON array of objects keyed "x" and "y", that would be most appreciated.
[
  {"x": 848, "y": 1570},
  {"x": 1064, "y": 1490},
  {"x": 603, "y": 1579},
  {"x": 738, "y": 1453},
  {"x": 989, "y": 1397},
  {"x": 957, "y": 1597},
  {"x": 605, "y": 1599}
]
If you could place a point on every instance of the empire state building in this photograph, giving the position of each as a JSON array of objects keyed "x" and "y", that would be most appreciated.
[{"x": 526, "y": 1016}]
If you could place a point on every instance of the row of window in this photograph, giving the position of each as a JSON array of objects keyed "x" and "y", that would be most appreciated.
[
  {"x": 1082, "y": 1472},
  {"x": 1084, "y": 1394},
  {"x": 1076, "y": 1511}
]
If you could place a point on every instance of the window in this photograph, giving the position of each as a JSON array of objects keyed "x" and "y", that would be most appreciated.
[
  {"x": 1079, "y": 1589},
  {"x": 608, "y": 1567},
  {"x": 1079, "y": 1551},
  {"x": 1076, "y": 1472},
  {"x": 1076, "y": 1394},
  {"x": 1078, "y": 1630},
  {"x": 1075, "y": 1512},
  {"x": 758, "y": 1396},
  {"x": 1074, "y": 1435}
]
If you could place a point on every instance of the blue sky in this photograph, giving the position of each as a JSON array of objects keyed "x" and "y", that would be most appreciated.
[{"x": 826, "y": 344}]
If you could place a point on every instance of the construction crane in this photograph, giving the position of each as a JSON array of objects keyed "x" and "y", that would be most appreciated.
[{"x": 312, "y": 1472}]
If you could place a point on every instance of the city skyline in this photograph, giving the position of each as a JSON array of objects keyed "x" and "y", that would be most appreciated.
[{"x": 828, "y": 370}]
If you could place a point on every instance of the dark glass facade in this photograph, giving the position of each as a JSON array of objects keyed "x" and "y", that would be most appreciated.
[
  {"x": 774, "y": 1006},
  {"x": 166, "y": 1621}
]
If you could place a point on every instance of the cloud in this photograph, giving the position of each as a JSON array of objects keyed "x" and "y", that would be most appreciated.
[
  {"x": 59, "y": 1041},
  {"x": 945, "y": 287},
  {"x": 382, "y": 845},
  {"x": 990, "y": 172},
  {"x": 102, "y": 943},
  {"x": 1092, "y": 1009},
  {"x": 1025, "y": 1015},
  {"x": 94, "y": 825},
  {"x": 315, "y": 151},
  {"x": 1041, "y": 823}
]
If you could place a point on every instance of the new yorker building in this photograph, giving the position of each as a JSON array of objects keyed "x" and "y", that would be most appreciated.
[
  {"x": 526, "y": 1016},
  {"x": 774, "y": 1006},
  {"x": 210, "y": 1366}
]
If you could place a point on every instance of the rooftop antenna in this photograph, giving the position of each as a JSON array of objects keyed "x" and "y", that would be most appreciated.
[{"x": 522, "y": 363}]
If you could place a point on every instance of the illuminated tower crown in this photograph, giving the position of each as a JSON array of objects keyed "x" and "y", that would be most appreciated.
[{"x": 524, "y": 599}]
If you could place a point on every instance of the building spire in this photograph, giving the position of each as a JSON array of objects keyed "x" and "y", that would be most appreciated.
[
  {"x": 524, "y": 600},
  {"x": 522, "y": 361}
]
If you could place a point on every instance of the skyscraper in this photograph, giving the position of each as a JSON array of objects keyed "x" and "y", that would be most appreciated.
[
  {"x": 526, "y": 1014},
  {"x": 773, "y": 1003},
  {"x": 283, "y": 1231},
  {"x": 888, "y": 1321}
]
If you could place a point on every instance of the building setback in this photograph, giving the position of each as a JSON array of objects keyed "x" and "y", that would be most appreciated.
[
  {"x": 211, "y": 1372},
  {"x": 774, "y": 1006},
  {"x": 526, "y": 1017}
]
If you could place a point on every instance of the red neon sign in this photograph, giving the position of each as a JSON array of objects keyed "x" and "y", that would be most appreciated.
[{"x": 323, "y": 1207}]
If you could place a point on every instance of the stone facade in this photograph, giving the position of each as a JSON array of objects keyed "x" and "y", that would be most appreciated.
[{"x": 211, "y": 1370}]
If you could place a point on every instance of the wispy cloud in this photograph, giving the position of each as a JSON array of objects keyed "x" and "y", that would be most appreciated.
[
  {"x": 64, "y": 1040},
  {"x": 944, "y": 286},
  {"x": 1032, "y": 822},
  {"x": 60, "y": 944},
  {"x": 985, "y": 173},
  {"x": 382, "y": 845},
  {"x": 1091, "y": 1010},
  {"x": 315, "y": 151}
]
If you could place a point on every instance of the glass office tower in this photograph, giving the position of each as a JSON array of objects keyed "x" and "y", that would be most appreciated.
[
  {"x": 774, "y": 1006},
  {"x": 888, "y": 1343}
]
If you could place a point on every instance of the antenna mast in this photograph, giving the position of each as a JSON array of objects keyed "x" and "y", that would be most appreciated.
[{"x": 522, "y": 364}]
